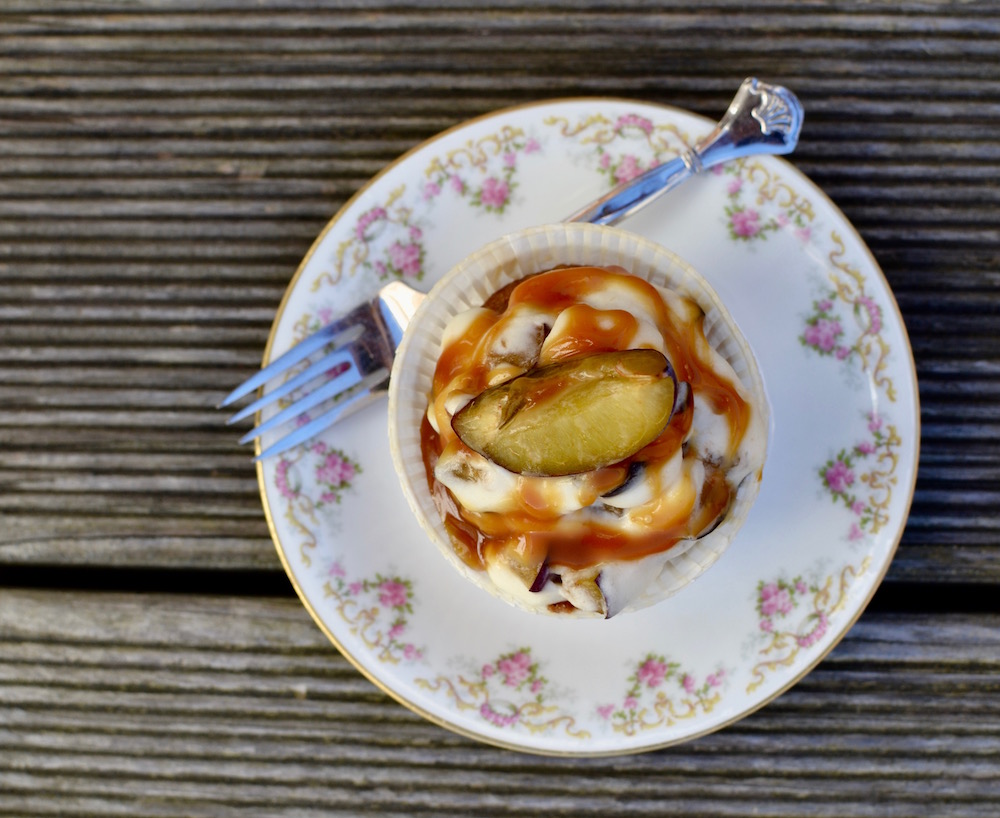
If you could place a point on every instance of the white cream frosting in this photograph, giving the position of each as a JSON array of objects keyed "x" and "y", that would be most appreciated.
[{"x": 481, "y": 486}]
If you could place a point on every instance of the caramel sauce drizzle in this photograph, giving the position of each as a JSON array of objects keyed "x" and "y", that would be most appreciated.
[{"x": 534, "y": 528}]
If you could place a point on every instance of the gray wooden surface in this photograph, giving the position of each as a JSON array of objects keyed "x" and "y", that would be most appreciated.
[{"x": 163, "y": 168}]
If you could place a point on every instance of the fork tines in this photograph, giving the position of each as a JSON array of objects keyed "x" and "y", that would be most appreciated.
[
  {"x": 339, "y": 362},
  {"x": 364, "y": 391}
]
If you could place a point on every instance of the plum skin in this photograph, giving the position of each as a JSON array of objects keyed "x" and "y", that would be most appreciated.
[{"x": 572, "y": 416}]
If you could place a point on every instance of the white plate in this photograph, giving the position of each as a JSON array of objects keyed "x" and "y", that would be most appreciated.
[{"x": 837, "y": 487}]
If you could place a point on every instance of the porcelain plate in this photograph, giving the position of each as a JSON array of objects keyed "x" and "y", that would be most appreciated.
[{"x": 837, "y": 487}]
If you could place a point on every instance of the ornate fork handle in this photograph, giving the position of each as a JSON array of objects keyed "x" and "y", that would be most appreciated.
[{"x": 762, "y": 118}]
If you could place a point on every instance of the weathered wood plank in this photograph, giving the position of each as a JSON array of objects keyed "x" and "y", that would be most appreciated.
[
  {"x": 193, "y": 705},
  {"x": 164, "y": 165}
]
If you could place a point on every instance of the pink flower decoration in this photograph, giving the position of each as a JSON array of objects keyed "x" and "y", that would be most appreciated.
[
  {"x": 532, "y": 146},
  {"x": 337, "y": 570},
  {"x": 766, "y": 625},
  {"x": 825, "y": 305},
  {"x": 803, "y": 234},
  {"x": 714, "y": 679},
  {"x": 780, "y": 602},
  {"x": 354, "y": 588},
  {"x": 457, "y": 184},
  {"x": 874, "y": 315},
  {"x": 745, "y": 223},
  {"x": 630, "y": 703},
  {"x": 509, "y": 159},
  {"x": 855, "y": 533},
  {"x": 635, "y": 121},
  {"x": 839, "y": 477},
  {"x": 405, "y": 258},
  {"x": 817, "y": 633},
  {"x": 395, "y": 630},
  {"x": 393, "y": 594},
  {"x": 876, "y": 325},
  {"x": 688, "y": 683},
  {"x": 495, "y": 193},
  {"x": 866, "y": 447},
  {"x": 874, "y": 422},
  {"x": 768, "y": 591},
  {"x": 334, "y": 471},
  {"x": 858, "y": 507},
  {"x": 281, "y": 481},
  {"x": 536, "y": 686},
  {"x": 431, "y": 189},
  {"x": 493, "y": 717},
  {"x": 367, "y": 220},
  {"x": 734, "y": 186},
  {"x": 801, "y": 587},
  {"x": 487, "y": 671},
  {"x": 605, "y": 711},
  {"x": 512, "y": 678},
  {"x": 605, "y": 160},
  {"x": 823, "y": 334},
  {"x": 325, "y": 315},
  {"x": 652, "y": 673},
  {"x": 416, "y": 233},
  {"x": 410, "y": 652},
  {"x": 627, "y": 169},
  {"x": 782, "y": 220},
  {"x": 842, "y": 353},
  {"x": 718, "y": 170},
  {"x": 515, "y": 668}
]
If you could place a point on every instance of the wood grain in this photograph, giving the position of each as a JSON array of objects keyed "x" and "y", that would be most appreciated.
[
  {"x": 149, "y": 706},
  {"x": 164, "y": 166}
]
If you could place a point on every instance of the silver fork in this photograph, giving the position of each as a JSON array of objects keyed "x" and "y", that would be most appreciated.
[{"x": 359, "y": 347}]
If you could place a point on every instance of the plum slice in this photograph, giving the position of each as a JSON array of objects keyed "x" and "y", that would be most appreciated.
[{"x": 573, "y": 416}]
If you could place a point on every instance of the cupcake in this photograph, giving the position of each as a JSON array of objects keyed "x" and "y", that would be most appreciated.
[{"x": 577, "y": 421}]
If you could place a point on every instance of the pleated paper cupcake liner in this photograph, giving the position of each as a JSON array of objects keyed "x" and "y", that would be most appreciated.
[{"x": 510, "y": 259}]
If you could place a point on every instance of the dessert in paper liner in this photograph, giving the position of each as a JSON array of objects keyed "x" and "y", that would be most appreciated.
[{"x": 454, "y": 488}]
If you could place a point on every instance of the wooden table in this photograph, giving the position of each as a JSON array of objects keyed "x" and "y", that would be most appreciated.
[{"x": 165, "y": 165}]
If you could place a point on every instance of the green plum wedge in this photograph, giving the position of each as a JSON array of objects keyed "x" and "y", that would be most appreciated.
[{"x": 572, "y": 416}]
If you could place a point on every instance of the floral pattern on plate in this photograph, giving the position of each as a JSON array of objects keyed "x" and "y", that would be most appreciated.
[
  {"x": 625, "y": 146},
  {"x": 387, "y": 239},
  {"x": 306, "y": 479},
  {"x": 376, "y": 609},
  {"x": 795, "y": 615},
  {"x": 660, "y": 695},
  {"x": 483, "y": 171},
  {"x": 760, "y": 203},
  {"x": 507, "y": 692},
  {"x": 845, "y": 325},
  {"x": 877, "y": 453},
  {"x": 839, "y": 476}
]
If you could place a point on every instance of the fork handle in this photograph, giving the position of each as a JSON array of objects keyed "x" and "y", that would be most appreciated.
[
  {"x": 762, "y": 118},
  {"x": 397, "y": 302}
]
